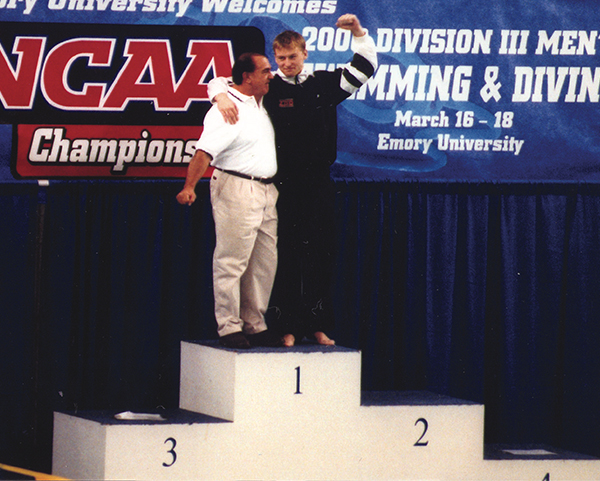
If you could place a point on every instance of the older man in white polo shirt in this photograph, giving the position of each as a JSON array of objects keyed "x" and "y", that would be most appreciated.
[{"x": 243, "y": 199}]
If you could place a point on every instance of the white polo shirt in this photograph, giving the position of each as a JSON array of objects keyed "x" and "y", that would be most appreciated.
[{"x": 247, "y": 147}]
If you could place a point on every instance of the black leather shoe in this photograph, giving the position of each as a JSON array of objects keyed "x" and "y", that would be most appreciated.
[
  {"x": 265, "y": 339},
  {"x": 237, "y": 340}
]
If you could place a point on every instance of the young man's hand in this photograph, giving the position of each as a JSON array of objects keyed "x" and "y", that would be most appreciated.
[
  {"x": 350, "y": 22},
  {"x": 227, "y": 108}
]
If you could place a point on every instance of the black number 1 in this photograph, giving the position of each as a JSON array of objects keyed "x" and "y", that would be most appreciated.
[{"x": 298, "y": 381}]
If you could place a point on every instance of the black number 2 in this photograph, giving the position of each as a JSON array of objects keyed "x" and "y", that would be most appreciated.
[
  {"x": 420, "y": 442},
  {"x": 171, "y": 452}
]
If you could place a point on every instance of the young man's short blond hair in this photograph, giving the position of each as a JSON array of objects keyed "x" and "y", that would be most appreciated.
[{"x": 289, "y": 39}]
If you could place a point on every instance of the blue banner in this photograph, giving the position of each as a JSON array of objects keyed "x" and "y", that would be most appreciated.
[{"x": 489, "y": 91}]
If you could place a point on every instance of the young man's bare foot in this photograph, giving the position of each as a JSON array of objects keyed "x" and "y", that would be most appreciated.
[
  {"x": 322, "y": 338},
  {"x": 289, "y": 340}
]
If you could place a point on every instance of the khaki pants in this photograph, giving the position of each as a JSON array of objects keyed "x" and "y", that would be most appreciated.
[{"x": 245, "y": 257}]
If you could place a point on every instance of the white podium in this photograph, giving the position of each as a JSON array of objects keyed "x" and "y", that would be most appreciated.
[{"x": 296, "y": 414}]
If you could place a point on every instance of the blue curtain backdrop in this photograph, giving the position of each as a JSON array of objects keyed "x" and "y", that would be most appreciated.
[{"x": 486, "y": 292}]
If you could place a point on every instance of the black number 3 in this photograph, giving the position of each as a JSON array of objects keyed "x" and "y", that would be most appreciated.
[{"x": 171, "y": 452}]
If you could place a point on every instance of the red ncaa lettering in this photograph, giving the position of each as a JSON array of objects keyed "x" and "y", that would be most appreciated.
[
  {"x": 191, "y": 86},
  {"x": 56, "y": 72},
  {"x": 147, "y": 75},
  {"x": 17, "y": 86},
  {"x": 154, "y": 57}
]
